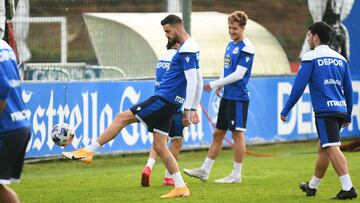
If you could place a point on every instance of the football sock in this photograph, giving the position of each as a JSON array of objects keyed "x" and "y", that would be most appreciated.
[
  {"x": 150, "y": 162},
  {"x": 236, "y": 172},
  {"x": 179, "y": 181},
  {"x": 314, "y": 182},
  {"x": 346, "y": 183},
  {"x": 207, "y": 165},
  {"x": 93, "y": 147},
  {"x": 167, "y": 174}
]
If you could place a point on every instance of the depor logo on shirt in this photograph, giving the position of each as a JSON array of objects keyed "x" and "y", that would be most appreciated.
[
  {"x": 236, "y": 50},
  {"x": 162, "y": 66},
  {"x": 330, "y": 61}
]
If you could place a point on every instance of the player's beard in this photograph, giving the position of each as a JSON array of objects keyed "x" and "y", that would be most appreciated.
[
  {"x": 311, "y": 45},
  {"x": 174, "y": 40},
  {"x": 170, "y": 44}
]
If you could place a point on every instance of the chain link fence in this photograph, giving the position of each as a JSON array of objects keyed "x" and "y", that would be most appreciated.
[{"x": 55, "y": 32}]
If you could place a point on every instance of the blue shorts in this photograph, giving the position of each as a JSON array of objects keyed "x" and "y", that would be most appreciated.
[
  {"x": 12, "y": 152},
  {"x": 328, "y": 129},
  {"x": 156, "y": 114},
  {"x": 232, "y": 115},
  {"x": 177, "y": 127}
]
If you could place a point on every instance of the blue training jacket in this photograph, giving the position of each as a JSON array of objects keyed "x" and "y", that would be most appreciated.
[
  {"x": 15, "y": 115},
  {"x": 328, "y": 76}
]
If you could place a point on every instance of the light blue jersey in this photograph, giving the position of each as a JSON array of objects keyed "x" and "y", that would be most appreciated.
[
  {"x": 163, "y": 65},
  {"x": 173, "y": 83},
  {"x": 238, "y": 54},
  {"x": 328, "y": 76},
  {"x": 14, "y": 115}
]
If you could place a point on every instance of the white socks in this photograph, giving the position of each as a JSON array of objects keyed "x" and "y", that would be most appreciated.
[
  {"x": 345, "y": 180},
  {"x": 179, "y": 181},
  {"x": 207, "y": 165},
  {"x": 167, "y": 174},
  {"x": 93, "y": 147},
  {"x": 150, "y": 162},
  {"x": 314, "y": 182},
  {"x": 346, "y": 183},
  {"x": 236, "y": 172}
]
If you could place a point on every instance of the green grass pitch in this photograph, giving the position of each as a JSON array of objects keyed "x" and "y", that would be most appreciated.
[{"x": 117, "y": 178}]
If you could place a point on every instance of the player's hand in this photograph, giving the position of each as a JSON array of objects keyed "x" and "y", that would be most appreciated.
[
  {"x": 218, "y": 91},
  {"x": 283, "y": 118},
  {"x": 207, "y": 87},
  {"x": 346, "y": 124},
  {"x": 347, "y": 121},
  {"x": 186, "y": 118},
  {"x": 194, "y": 117}
]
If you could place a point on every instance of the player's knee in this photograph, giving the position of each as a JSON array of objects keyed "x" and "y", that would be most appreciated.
[
  {"x": 238, "y": 136},
  {"x": 119, "y": 116},
  {"x": 158, "y": 147},
  {"x": 333, "y": 151},
  {"x": 218, "y": 137},
  {"x": 219, "y": 134},
  {"x": 123, "y": 118},
  {"x": 176, "y": 143}
]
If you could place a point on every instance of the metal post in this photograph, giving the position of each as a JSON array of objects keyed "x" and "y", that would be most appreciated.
[
  {"x": 186, "y": 15},
  {"x": 63, "y": 23},
  {"x": 63, "y": 40},
  {"x": 173, "y": 6}
]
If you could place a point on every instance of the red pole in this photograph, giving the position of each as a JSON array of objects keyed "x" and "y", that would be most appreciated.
[{"x": 228, "y": 140}]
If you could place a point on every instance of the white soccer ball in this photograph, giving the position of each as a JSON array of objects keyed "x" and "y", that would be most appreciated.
[{"x": 62, "y": 134}]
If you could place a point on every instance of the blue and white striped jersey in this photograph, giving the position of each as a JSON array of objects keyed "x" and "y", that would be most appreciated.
[
  {"x": 238, "y": 54},
  {"x": 173, "y": 83},
  {"x": 328, "y": 76},
  {"x": 14, "y": 115}
]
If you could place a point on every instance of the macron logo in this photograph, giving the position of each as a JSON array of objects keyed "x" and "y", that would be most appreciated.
[
  {"x": 341, "y": 103},
  {"x": 247, "y": 59},
  {"x": 20, "y": 115},
  {"x": 187, "y": 59},
  {"x": 26, "y": 96},
  {"x": 179, "y": 99}
]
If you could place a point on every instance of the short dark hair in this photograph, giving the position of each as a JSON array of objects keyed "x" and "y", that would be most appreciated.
[
  {"x": 171, "y": 19},
  {"x": 323, "y": 30}
]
